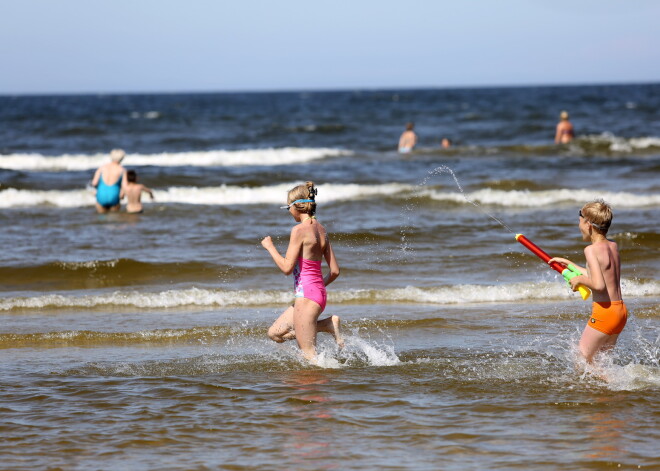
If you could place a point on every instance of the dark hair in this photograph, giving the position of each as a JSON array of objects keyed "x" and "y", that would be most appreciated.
[
  {"x": 131, "y": 176},
  {"x": 410, "y": 126}
]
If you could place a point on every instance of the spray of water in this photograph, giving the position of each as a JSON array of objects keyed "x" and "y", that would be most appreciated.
[
  {"x": 442, "y": 169},
  {"x": 409, "y": 208}
]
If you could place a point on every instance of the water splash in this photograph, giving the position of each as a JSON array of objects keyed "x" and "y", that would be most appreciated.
[
  {"x": 409, "y": 208},
  {"x": 443, "y": 169}
]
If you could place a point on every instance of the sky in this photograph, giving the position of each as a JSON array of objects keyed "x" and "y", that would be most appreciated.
[{"x": 116, "y": 46}]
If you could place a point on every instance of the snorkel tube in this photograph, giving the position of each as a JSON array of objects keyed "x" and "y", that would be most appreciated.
[{"x": 567, "y": 272}]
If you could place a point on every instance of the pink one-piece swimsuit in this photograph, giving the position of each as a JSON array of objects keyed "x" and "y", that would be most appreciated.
[{"x": 308, "y": 281}]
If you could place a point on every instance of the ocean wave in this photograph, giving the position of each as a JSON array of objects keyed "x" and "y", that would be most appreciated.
[
  {"x": 534, "y": 199},
  {"x": 212, "y": 298},
  {"x": 95, "y": 274},
  {"x": 618, "y": 144},
  {"x": 211, "y": 158},
  {"x": 331, "y": 192},
  {"x": 221, "y": 195}
]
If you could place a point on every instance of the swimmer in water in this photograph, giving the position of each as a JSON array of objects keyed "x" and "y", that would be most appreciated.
[
  {"x": 133, "y": 193},
  {"x": 408, "y": 139},
  {"x": 308, "y": 245},
  {"x": 109, "y": 181},
  {"x": 603, "y": 276},
  {"x": 565, "y": 132}
]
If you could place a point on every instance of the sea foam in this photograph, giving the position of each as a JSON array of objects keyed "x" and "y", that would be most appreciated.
[
  {"x": 211, "y": 158},
  {"x": 533, "y": 199},
  {"x": 220, "y": 195},
  {"x": 212, "y": 298},
  {"x": 237, "y": 195},
  {"x": 622, "y": 144}
]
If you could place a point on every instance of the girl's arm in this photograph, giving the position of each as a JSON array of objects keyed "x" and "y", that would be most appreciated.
[
  {"x": 330, "y": 258},
  {"x": 593, "y": 279},
  {"x": 286, "y": 263}
]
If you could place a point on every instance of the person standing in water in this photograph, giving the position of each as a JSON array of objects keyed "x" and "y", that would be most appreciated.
[
  {"x": 603, "y": 276},
  {"x": 308, "y": 245},
  {"x": 110, "y": 181},
  {"x": 565, "y": 132},
  {"x": 133, "y": 193},
  {"x": 408, "y": 139}
]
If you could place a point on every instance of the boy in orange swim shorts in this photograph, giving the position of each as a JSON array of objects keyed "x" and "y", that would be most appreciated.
[{"x": 603, "y": 276}]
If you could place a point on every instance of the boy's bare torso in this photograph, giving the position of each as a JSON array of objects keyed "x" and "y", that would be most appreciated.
[
  {"x": 134, "y": 197},
  {"x": 603, "y": 257}
]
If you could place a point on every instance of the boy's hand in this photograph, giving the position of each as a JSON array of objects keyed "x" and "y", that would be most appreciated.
[
  {"x": 574, "y": 283},
  {"x": 267, "y": 243},
  {"x": 560, "y": 260}
]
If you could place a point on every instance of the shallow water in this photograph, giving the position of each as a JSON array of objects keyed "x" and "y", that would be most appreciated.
[{"x": 139, "y": 341}]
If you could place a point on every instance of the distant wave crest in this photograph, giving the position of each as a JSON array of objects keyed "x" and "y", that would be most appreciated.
[
  {"x": 210, "y": 158},
  {"x": 331, "y": 192},
  {"x": 533, "y": 199}
]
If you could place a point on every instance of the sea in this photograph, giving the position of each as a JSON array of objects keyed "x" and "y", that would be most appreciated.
[{"x": 139, "y": 341}]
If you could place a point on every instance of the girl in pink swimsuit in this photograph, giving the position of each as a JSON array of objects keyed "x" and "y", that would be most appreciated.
[{"x": 308, "y": 246}]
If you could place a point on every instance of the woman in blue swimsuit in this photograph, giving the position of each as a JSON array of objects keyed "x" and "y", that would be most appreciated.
[{"x": 109, "y": 181}]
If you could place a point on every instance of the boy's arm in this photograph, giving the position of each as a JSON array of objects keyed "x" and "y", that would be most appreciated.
[
  {"x": 593, "y": 279},
  {"x": 148, "y": 190},
  {"x": 566, "y": 262}
]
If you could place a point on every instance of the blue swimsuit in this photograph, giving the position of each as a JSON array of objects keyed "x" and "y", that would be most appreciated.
[{"x": 108, "y": 195}]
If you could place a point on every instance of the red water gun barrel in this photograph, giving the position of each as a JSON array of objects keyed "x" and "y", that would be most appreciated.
[{"x": 536, "y": 250}]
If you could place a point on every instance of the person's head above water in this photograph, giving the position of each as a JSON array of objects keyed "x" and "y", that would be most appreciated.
[
  {"x": 563, "y": 115},
  {"x": 410, "y": 126},
  {"x": 302, "y": 198},
  {"x": 117, "y": 155},
  {"x": 599, "y": 214}
]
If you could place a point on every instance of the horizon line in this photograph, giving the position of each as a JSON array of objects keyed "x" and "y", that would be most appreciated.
[{"x": 326, "y": 90}]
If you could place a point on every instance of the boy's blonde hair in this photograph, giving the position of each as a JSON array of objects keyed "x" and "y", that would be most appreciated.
[
  {"x": 599, "y": 214},
  {"x": 303, "y": 192}
]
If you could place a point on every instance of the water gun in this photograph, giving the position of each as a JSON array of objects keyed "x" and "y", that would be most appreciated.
[{"x": 567, "y": 272}]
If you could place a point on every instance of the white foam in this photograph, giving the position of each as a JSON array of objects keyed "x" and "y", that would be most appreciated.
[
  {"x": 211, "y": 158},
  {"x": 622, "y": 144},
  {"x": 221, "y": 195},
  {"x": 13, "y": 198},
  {"x": 443, "y": 295},
  {"x": 534, "y": 199}
]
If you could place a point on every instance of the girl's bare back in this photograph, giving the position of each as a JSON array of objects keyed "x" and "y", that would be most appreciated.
[{"x": 314, "y": 239}]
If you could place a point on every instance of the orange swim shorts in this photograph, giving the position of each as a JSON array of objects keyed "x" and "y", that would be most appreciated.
[{"x": 609, "y": 318}]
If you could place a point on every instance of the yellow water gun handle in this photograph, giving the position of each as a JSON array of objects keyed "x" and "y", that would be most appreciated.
[{"x": 571, "y": 272}]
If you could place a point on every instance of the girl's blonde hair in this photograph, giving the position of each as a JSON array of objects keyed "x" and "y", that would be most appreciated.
[
  {"x": 599, "y": 214},
  {"x": 303, "y": 192}
]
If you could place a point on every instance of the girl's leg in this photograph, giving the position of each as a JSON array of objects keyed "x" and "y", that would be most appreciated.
[
  {"x": 282, "y": 328},
  {"x": 331, "y": 326},
  {"x": 593, "y": 341},
  {"x": 305, "y": 314}
]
